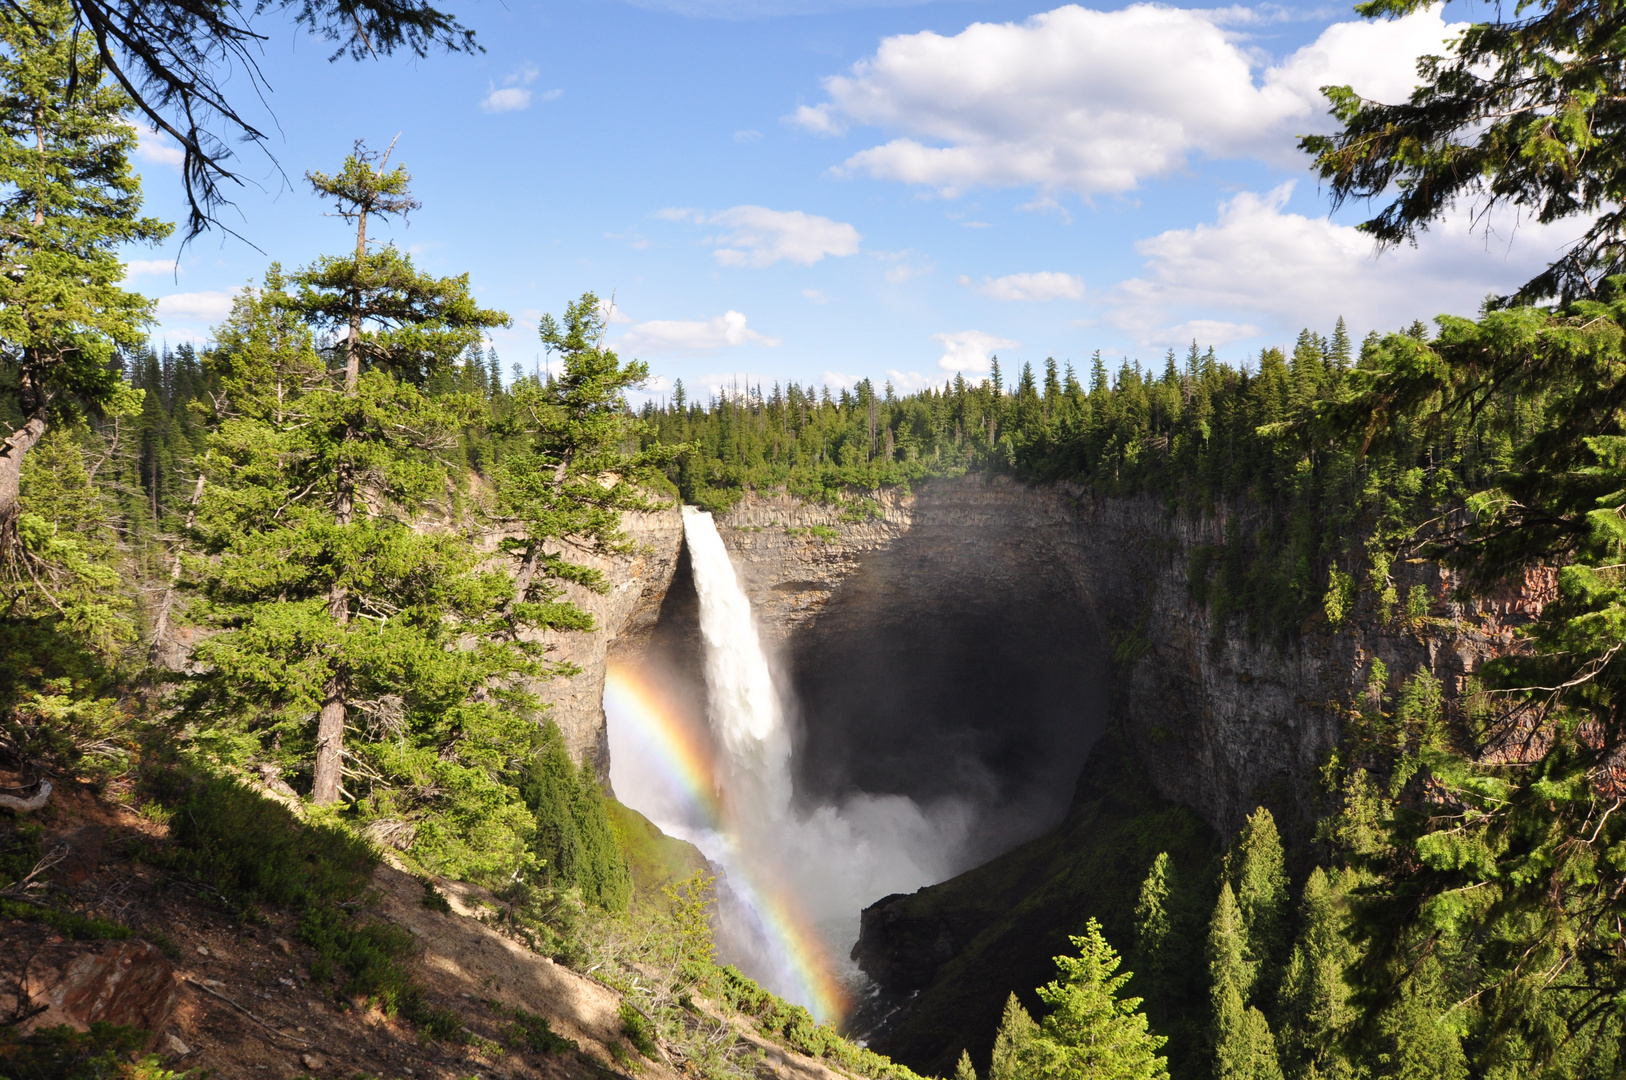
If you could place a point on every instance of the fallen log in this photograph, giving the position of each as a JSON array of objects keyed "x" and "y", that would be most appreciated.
[{"x": 27, "y": 805}]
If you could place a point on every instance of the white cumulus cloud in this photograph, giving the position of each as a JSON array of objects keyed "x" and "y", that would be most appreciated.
[
  {"x": 157, "y": 147},
  {"x": 761, "y": 237},
  {"x": 1257, "y": 265},
  {"x": 196, "y": 307},
  {"x": 1097, "y": 101},
  {"x": 1044, "y": 285},
  {"x": 692, "y": 336},
  {"x": 970, "y": 350}
]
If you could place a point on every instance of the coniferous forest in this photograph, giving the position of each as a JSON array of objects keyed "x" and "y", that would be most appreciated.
[{"x": 320, "y": 553}]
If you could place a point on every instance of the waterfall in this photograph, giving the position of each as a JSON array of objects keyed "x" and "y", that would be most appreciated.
[
  {"x": 792, "y": 882},
  {"x": 747, "y": 716}
]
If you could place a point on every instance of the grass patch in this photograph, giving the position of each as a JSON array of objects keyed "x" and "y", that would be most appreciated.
[{"x": 656, "y": 860}]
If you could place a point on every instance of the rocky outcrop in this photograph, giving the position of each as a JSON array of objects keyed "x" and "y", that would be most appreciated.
[
  {"x": 624, "y": 617},
  {"x": 127, "y": 983}
]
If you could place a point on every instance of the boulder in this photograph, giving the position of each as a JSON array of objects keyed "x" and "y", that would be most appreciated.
[{"x": 129, "y": 983}]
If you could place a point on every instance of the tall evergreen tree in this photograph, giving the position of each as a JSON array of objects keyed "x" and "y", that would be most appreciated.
[
  {"x": 1258, "y": 866},
  {"x": 68, "y": 202},
  {"x": 1244, "y": 1048},
  {"x": 390, "y": 613},
  {"x": 1315, "y": 1010},
  {"x": 1090, "y": 1033},
  {"x": 1016, "y": 1034},
  {"x": 583, "y": 462},
  {"x": 401, "y": 326}
]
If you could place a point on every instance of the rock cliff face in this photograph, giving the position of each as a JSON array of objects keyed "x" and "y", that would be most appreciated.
[
  {"x": 973, "y": 579},
  {"x": 625, "y": 617},
  {"x": 964, "y": 641}
]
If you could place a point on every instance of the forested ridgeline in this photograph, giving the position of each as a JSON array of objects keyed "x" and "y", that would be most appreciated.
[{"x": 1277, "y": 438}]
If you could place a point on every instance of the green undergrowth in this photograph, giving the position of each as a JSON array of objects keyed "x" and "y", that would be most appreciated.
[
  {"x": 1016, "y": 912},
  {"x": 655, "y": 859},
  {"x": 21, "y": 853},
  {"x": 245, "y": 851},
  {"x": 105, "y": 1052},
  {"x": 794, "y": 1027},
  {"x": 659, "y": 955}
]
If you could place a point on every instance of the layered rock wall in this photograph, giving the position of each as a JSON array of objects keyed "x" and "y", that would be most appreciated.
[{"x": 1222, "y": 721}]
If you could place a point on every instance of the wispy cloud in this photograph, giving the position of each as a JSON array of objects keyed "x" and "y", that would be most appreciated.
[
  {"x": 727, "y": 330},
  {"x": 514, "y": 94},
  {"x": 1044, "y": 285},
  {"x": 759, "y": 237},
  {"x": 905, "y": 265}
]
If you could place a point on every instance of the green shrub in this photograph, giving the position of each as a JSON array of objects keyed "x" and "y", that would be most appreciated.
[
  {"x": 105, "y": 1052},
  {"x": 639, "y": 1031},
  {"x": 248, "y": 848},
  {"x": 528, "y": 1031}
]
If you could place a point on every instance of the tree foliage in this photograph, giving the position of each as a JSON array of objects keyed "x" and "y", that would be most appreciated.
[
  {"x": 1525, "y": 113},
  {"x": 68, "y": 201},
  {"x": 1090, "y": 1032}
]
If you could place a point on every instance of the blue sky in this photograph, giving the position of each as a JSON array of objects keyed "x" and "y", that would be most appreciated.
[{"x": 822, "y": 191}]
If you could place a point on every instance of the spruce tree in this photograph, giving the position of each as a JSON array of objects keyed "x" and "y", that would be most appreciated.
[
  {"x": 337, "y": 568},
  {"x": 1259, "y": 871},
  {"x": 1314, "y": 1003},
  {"x": 583, "y": 460},
  {"x": 1154, "y": 928},
  {"x": 1016, "y": 1034},
  {"x": 963, "y": 1069},
  {"x": 1244, "y": 1048},
  {"x": 401, "y": 326},
  {"x": 1090, "y": 1033},
  {"x": 68, "y": 202}
]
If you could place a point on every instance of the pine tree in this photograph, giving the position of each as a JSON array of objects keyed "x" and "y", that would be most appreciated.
[
  {"x": 1016, "y": 1034},
  {"x": 70, "y": 202},
  {"x": 1259, "y": 867},
  {"x": 1090, "y": 1032},
  {"x": 401, "y": 326},
  {"x": 963, "y": 1069}
]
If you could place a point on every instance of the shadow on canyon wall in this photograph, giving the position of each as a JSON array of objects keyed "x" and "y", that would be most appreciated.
[{"x": 929, "y": 678}]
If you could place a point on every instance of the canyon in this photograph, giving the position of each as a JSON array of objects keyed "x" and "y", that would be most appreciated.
[{"x": 975, "y": 639}]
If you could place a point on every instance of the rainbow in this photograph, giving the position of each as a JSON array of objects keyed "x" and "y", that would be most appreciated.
[{"x": 686, "y": 757}]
